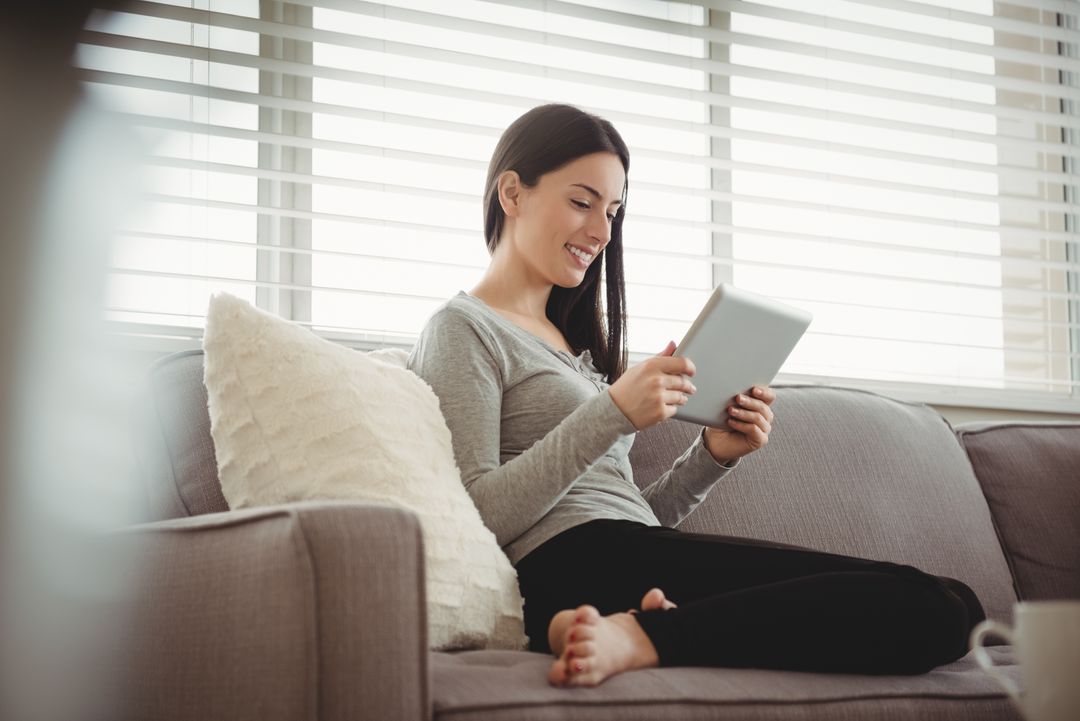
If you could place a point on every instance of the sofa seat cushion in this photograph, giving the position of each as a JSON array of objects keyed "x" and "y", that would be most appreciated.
[
  {"x": 855, "y": 473},
  {"x": 1029, "y": 475},
  {"x": 502, "y": 685}
]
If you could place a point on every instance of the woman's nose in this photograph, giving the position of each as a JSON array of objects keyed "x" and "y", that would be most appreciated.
[{"x": 600, "y": 230}]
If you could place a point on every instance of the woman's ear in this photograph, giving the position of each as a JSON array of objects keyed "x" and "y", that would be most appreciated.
[{"x": 510, "y": 192}]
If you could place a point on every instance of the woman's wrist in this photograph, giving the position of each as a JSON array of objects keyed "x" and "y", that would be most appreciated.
[{"x": 726, "y": 462}]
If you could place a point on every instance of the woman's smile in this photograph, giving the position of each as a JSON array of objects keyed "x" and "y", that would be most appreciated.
[{"x": 577, "y": 259}]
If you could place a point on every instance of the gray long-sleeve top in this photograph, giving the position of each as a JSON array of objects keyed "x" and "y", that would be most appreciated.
[{"x": 538, "y": 439}]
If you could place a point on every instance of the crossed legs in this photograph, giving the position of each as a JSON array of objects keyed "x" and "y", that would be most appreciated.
[{"x": 741, "y": 603}]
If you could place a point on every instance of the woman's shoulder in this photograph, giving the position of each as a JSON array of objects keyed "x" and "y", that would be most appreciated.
[
  {"x": 454, "y": 315},
  {"x": 456, "y": 328}
]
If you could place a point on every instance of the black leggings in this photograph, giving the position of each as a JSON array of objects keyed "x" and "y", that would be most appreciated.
[{"x": 747, "y": 603}]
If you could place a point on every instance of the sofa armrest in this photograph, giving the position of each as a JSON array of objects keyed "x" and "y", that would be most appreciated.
[{"x": 309, "y": 610}]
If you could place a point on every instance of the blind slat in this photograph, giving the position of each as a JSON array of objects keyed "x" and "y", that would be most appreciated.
[
  {"x": 1015, "y": 232},
  {"x": 1001, "y": 112},
  {"x": 375, "y": 222},
  {"x": 255, "y": 99},
  {"x": 1024, "y": 57},
  {"x": 718, "y": 260},
  {"x": 1010, "y": 25},
  {"x": 1026, "y": 174},
  {"x": 702, "y": 96},
  {"x": 1013, "y": 262},
  {"x": 358, "y": 291},
  {"x": 719, "y": 195}
]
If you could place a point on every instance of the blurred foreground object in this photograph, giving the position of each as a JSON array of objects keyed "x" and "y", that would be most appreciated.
[{"x": 64, "y": 449}]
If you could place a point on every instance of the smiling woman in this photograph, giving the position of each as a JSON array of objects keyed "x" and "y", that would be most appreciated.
[
  {"x": 542, "y": 443},
  {"x": 554, "y": 204}
]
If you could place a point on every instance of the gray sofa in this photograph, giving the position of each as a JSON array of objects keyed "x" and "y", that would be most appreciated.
[{"x": 315, "y": 610}]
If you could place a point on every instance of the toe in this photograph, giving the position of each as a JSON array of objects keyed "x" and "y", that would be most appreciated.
[
  {"x": 583, "y": 675},
  {"x": 653, "y": 598},
  {"x": 557, "y": 673},
  {"x": 586, "y": 614},
  {"x": 580, "y": 632},
  {"x": 582, "y": 650}
]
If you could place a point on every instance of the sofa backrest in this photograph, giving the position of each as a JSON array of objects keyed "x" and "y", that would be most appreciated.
[
  {"x": 173, "y": 442},
  {"x": 1030, "y": 476},
  {"x": 851, "y": 472},
  {"x": 846, "y": 471}
]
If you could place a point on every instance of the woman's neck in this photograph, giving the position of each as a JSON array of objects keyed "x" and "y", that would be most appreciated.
[{"x": 524, "y": 306}]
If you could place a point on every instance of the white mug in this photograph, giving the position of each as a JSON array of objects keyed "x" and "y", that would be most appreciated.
[{"x": 1046, "y": 641}]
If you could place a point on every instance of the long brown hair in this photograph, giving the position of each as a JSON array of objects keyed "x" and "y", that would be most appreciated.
[{"x": 540, "y": 141}]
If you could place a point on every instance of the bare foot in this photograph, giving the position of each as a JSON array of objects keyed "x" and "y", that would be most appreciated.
[
  {"x": 601, "y": 647},
  {"x": 560, "y": 624}
]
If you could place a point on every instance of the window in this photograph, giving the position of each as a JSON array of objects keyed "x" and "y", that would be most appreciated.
[{"x": 901, "y": 169}]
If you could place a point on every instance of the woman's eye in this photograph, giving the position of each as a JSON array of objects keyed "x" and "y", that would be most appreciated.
[{"x": 585, "y": 206}]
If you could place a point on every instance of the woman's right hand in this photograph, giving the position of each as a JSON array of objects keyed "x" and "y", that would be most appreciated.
[{"x": 653, "y": 390}]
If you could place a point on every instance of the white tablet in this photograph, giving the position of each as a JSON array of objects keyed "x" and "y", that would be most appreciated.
[{"x": 739, "y": 340}]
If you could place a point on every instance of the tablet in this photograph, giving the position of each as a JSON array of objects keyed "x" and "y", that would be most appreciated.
[{"x": 739, "y": 340}]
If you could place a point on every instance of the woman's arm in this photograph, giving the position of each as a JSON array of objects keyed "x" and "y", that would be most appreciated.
[
  {"x": 681, "y": 488},
  {"x": 460, "y": 363}
]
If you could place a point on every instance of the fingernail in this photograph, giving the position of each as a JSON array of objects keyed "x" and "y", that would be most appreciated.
[{"x": 758, "y": 392}]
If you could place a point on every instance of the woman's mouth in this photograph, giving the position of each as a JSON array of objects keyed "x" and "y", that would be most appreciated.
[{"x": 581, "y": 262}]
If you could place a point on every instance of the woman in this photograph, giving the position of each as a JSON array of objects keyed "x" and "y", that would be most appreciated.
[{"x": 530, "y": 371}]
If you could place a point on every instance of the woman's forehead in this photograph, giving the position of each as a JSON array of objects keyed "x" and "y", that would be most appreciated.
[{"x": 598, "y": 173}]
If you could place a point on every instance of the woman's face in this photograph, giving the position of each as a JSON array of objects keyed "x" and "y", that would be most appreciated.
[{"x": 572, "y": 206}]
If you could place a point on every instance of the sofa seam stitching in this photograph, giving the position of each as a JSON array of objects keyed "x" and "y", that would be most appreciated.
[{"x": 304, "y": 547}]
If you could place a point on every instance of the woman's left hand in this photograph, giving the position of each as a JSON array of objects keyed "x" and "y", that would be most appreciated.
[{"x": 747, "y": 427}]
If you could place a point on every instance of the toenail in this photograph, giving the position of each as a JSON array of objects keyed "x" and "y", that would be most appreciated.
[
  {"x": 577, "y": 666},
  {"x": 569, "y": 653},
  {"x": 571, "y": 635}
]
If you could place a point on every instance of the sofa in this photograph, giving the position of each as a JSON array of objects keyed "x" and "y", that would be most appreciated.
[{"x": 316, "y": 609}]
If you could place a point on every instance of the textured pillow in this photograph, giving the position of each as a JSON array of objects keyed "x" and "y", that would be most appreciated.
[{"x": 296, "y": 417}]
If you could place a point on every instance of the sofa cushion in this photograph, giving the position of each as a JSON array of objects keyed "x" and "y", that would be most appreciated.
[
  {"x": 1029, "y": 476},
  {"x": 499, "y": 686},
  {"x": 172, "y": 440},
  {"x": 295, "y": 417},
  {"x": 856, "y": 473}
]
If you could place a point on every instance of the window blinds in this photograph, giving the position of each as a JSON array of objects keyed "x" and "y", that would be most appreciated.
[{"x": 904, "y": 170}]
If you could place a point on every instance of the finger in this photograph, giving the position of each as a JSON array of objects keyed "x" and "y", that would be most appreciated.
[
  {"x": 755, "y": 405},
  {"x": 675, "y": 398},
  {"x": 754, "y": 434},
  {"x": 681, "y": 383},
  {"x": 676, "y": 365},
  {"x": 764, "y": 393},
  {"x": 750, "y": 417}
]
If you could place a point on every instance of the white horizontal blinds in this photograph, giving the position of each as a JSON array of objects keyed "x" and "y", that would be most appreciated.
[
  {"x": 961, "y": 274},
  {"x": 455, "y": 75},
  {"x": 1072, "y": 137},
  {"x": 906, "y": 170},
  {"x": 405, "y": 105},
  {"x": 163, "y": 269}
]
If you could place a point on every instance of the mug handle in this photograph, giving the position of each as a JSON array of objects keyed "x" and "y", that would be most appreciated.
[{"x": 983, "y": 658}]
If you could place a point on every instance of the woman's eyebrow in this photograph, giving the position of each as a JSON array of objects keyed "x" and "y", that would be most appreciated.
[{"x": 595, "y": 193}]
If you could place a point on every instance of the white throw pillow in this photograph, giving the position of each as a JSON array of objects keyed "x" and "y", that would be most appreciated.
[{"x": 296, "y": 417}]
